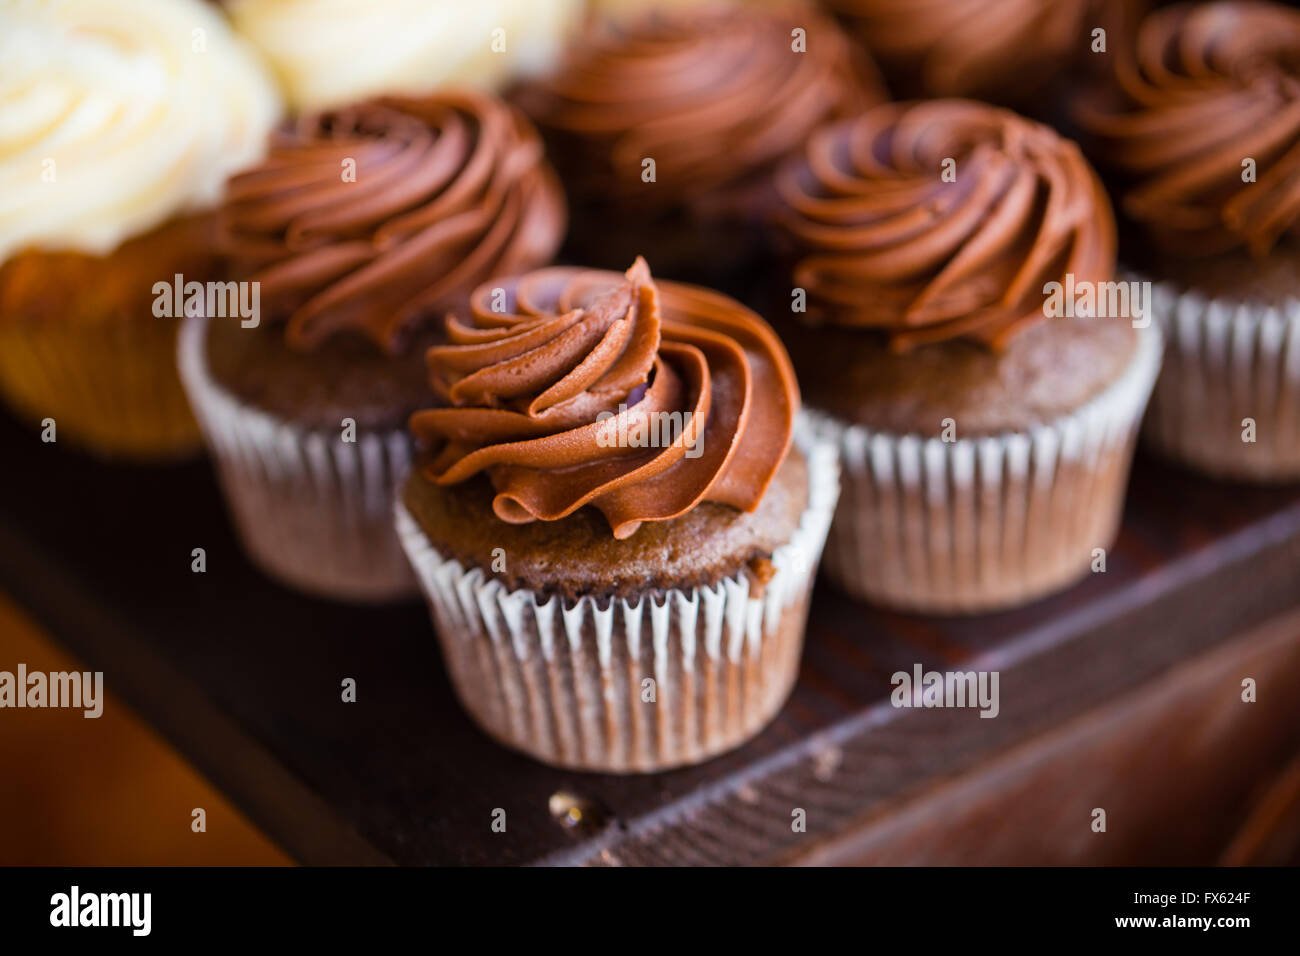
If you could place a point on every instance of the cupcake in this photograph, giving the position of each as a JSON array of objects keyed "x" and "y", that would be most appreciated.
[
  {"x": 1005, "y": 51},
  {"x": 614, "y": 533},
  {"x": 670, "y": 122},
  {"x": 115, "y": 147},
  {"x": 985, "y": 445},
  {"x": 330, "y": 53},
  {"x": 358, "y": 232},
  {"x": 1199, "y": 129}
]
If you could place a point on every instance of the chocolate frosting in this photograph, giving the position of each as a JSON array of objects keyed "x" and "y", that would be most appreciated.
[
  {"x": 881, "y": 241},
  {"x": 449, "y": 190},
  {"x": 528, "y": 382},
  {"x": 997, "y": 49},
  {"x": 711, "y": 93},
  {"x": 1203, "y": 88}
]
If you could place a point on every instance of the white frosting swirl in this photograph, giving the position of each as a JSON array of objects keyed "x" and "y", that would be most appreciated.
[
  {"x": 331, "y": 52},
  {"x": 115, "y": 115}
]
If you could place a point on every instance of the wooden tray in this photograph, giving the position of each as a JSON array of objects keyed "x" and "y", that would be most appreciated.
[{"x": 244, "y": 676}]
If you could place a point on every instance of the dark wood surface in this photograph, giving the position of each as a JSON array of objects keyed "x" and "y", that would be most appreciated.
[
  {"x": 244, "y": 676},
  {"x": 1187, "y": 773}
]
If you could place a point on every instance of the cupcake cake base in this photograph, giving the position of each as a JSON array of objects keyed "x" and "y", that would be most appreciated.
[
  {"x": 1227, "y": 402},
  {"x": 110, "y": 388},
  {"x": 81, "y": 343},
  {"x": 983, "y": 523},
  {"x": 313, "y": 511},
  {"x": 620, "y": 682}
]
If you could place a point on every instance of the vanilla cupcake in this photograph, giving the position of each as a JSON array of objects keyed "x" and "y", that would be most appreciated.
[
  {"x": 332, "y": 52},
  {"x": 985, "y": 436},
  {"x": 1199, "y": 127},
  {"x": 615, "y": 526},
  {"x": 122, "y": 121}
]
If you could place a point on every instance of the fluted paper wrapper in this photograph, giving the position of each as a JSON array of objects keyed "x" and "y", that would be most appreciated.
[
  {"x": 985, "y": 523},
  {"x": 314, "y": 512},
  {"x": 1226, "y": 362},
  {"x": 110, "y": 387},
  {"x": 566, "y": 685}
]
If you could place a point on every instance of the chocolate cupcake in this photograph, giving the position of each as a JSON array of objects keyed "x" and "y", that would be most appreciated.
[
  {"x": 667, "y": 124},
  {"x": 616, "y": 538},
  {"x": 985, "y": 446},
  {"x": 1199, "y": 127},
  {"x": 361, "y": 229},
  {"x": 1004, "y": 51},
  {"x": 116, "y": 146}
]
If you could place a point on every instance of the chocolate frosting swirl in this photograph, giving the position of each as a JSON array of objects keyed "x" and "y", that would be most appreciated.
[
  {"x": 449, "y": 190},
  {"x": 542, "y": 387},
  {"x": 1202, "y": 89},
  {"x": 997, "y": 49},
  {"x": 711, "y": 93},
  {"x": 882, "y": 241}
]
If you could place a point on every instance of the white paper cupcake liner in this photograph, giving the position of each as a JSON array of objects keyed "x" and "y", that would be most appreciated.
[
  {"x": 314, "y": 512},
  {"x": 1226, "y": 362},
  {"x": 979, "y": 524},
  {"x": 565, "y": 684}
]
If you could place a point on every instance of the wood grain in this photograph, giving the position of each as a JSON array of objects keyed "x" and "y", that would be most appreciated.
[
  {"x": 1174, "y": 764},
  {"x": 244, "y": 676}
]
